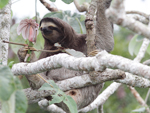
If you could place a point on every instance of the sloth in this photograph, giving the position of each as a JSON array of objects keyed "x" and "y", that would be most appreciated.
[{"x": 54, "y": 30}]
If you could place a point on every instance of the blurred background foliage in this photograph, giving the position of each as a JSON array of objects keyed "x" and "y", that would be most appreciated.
[{"x": 126, "y": 44}]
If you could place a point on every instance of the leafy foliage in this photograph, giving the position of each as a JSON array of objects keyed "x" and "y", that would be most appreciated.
[
  {"x": 65, "y": 1},
  {"x": 7, "y": 84},
  {"x": 139, "y": 110},
  {"x": 12, "y": 97},
  {"x": 10, "y": 64},
  {"x": 135, "y": 45},
  {"x": 59, "y": 96},
  {"x": 3, "y": 3},
  {"x": 52, "y": 0},
  {"x": 80, "y": 2}
]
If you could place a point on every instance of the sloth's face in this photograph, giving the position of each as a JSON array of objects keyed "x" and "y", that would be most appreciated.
[{"x": 51, "y": 32}]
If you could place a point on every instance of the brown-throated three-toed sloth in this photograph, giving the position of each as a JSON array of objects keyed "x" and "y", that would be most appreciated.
[{"x": 55, "y": 30}]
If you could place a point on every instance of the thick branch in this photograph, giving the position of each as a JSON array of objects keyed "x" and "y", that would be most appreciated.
[
  {"x": 90, "y": 28},
  {"x": 86, "y": 80},
  {"x": 116, "y": 13},
  {"x": 130, "y": 80},
  {"x": 135, "y": 81},
  {"x": 5, "y": 21},
  {"x": 102, "y": 59},
  {"x": 76, "y": 82}
]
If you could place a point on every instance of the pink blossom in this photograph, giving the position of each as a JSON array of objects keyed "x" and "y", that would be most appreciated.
[{"x": 29, "y": 29}]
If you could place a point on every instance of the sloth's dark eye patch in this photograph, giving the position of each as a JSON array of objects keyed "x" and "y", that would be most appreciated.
[{"x": 53, "y": 28}]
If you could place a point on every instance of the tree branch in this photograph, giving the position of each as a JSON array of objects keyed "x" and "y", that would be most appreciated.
[
  {"x": 139, "y": 13},
  {"x": 48, "y": 6},
  {"x": 76, "y": 82},
  {"x": 138, "y": 59},
  {"x": 140, "y": 19},
  {"x": 135, "y": 81},
  {"x": 81, "y": 8},
  {"x": 100, "y": 109},
  {"x": 97, "y": 63},
  {"x": 116, "y": 13},
  {"x": 5, "y": 21},
  {"x": 129, "y": 76},
  {"x": 100, "y": 100},
  {"x": 139, "y": 99},
  {"x": 90, "y": 27}
]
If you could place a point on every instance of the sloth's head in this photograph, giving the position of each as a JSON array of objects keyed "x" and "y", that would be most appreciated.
[
  {"x": 57, "y": 31},
  {"x": 50, "y": 30}
]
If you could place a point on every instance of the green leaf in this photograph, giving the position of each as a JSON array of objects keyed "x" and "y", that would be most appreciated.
[
  {"x": 10, "y": 64},
  {"x": 67, "y": 1},
  {"x": 3, "y": 3},
  {"x": 12, "y": 97},
  {"x": 9, "y": 106},
  {"x": 137, "y": 47},
  {"x": 82, "y": 18},
  {"x": 71, "y": 104},
  {"x": 75, "y": 53},
  {"x": 52, "y": 0},
  {"x": 55, "y": 14},
  {"x": 57, "y": 98},
  {"x": 18, "y": 84},
  {"x": 21, "y": 102},
  {"x": 139, "y": 38},
  {"x": 68, "y": 13},
  {"x": 132, "y": 44},
  {"x": 47, "y": 86},
  {"x": 148, "y": 49},
  {"x": 80, "y": 2},
  {"x": 142, "y": 109},
  {"x": 7, "y": 85},
  {"x": 60, "y": 96},
  {"x": 80, "y": 25}
]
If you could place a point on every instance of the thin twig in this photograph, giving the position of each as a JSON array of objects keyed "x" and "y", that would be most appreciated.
[
  {"x": 27, "y": 56},
  {"x": 100, "y": 109},
  {"x": 147, "y": 62},
  {"x": 14, "y": 43},
  {"x": 139, "y": 99},
  {"x": 48, "y": 6},
  {"x": 44, "y": 79},
  {"x": 147, "y": 95},
  {"x": 34, "y": 49}
]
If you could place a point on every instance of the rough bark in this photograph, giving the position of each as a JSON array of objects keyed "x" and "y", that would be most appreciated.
[
  {"x": 97, "y": 63},
  {"x": 5, "y": 21}
]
